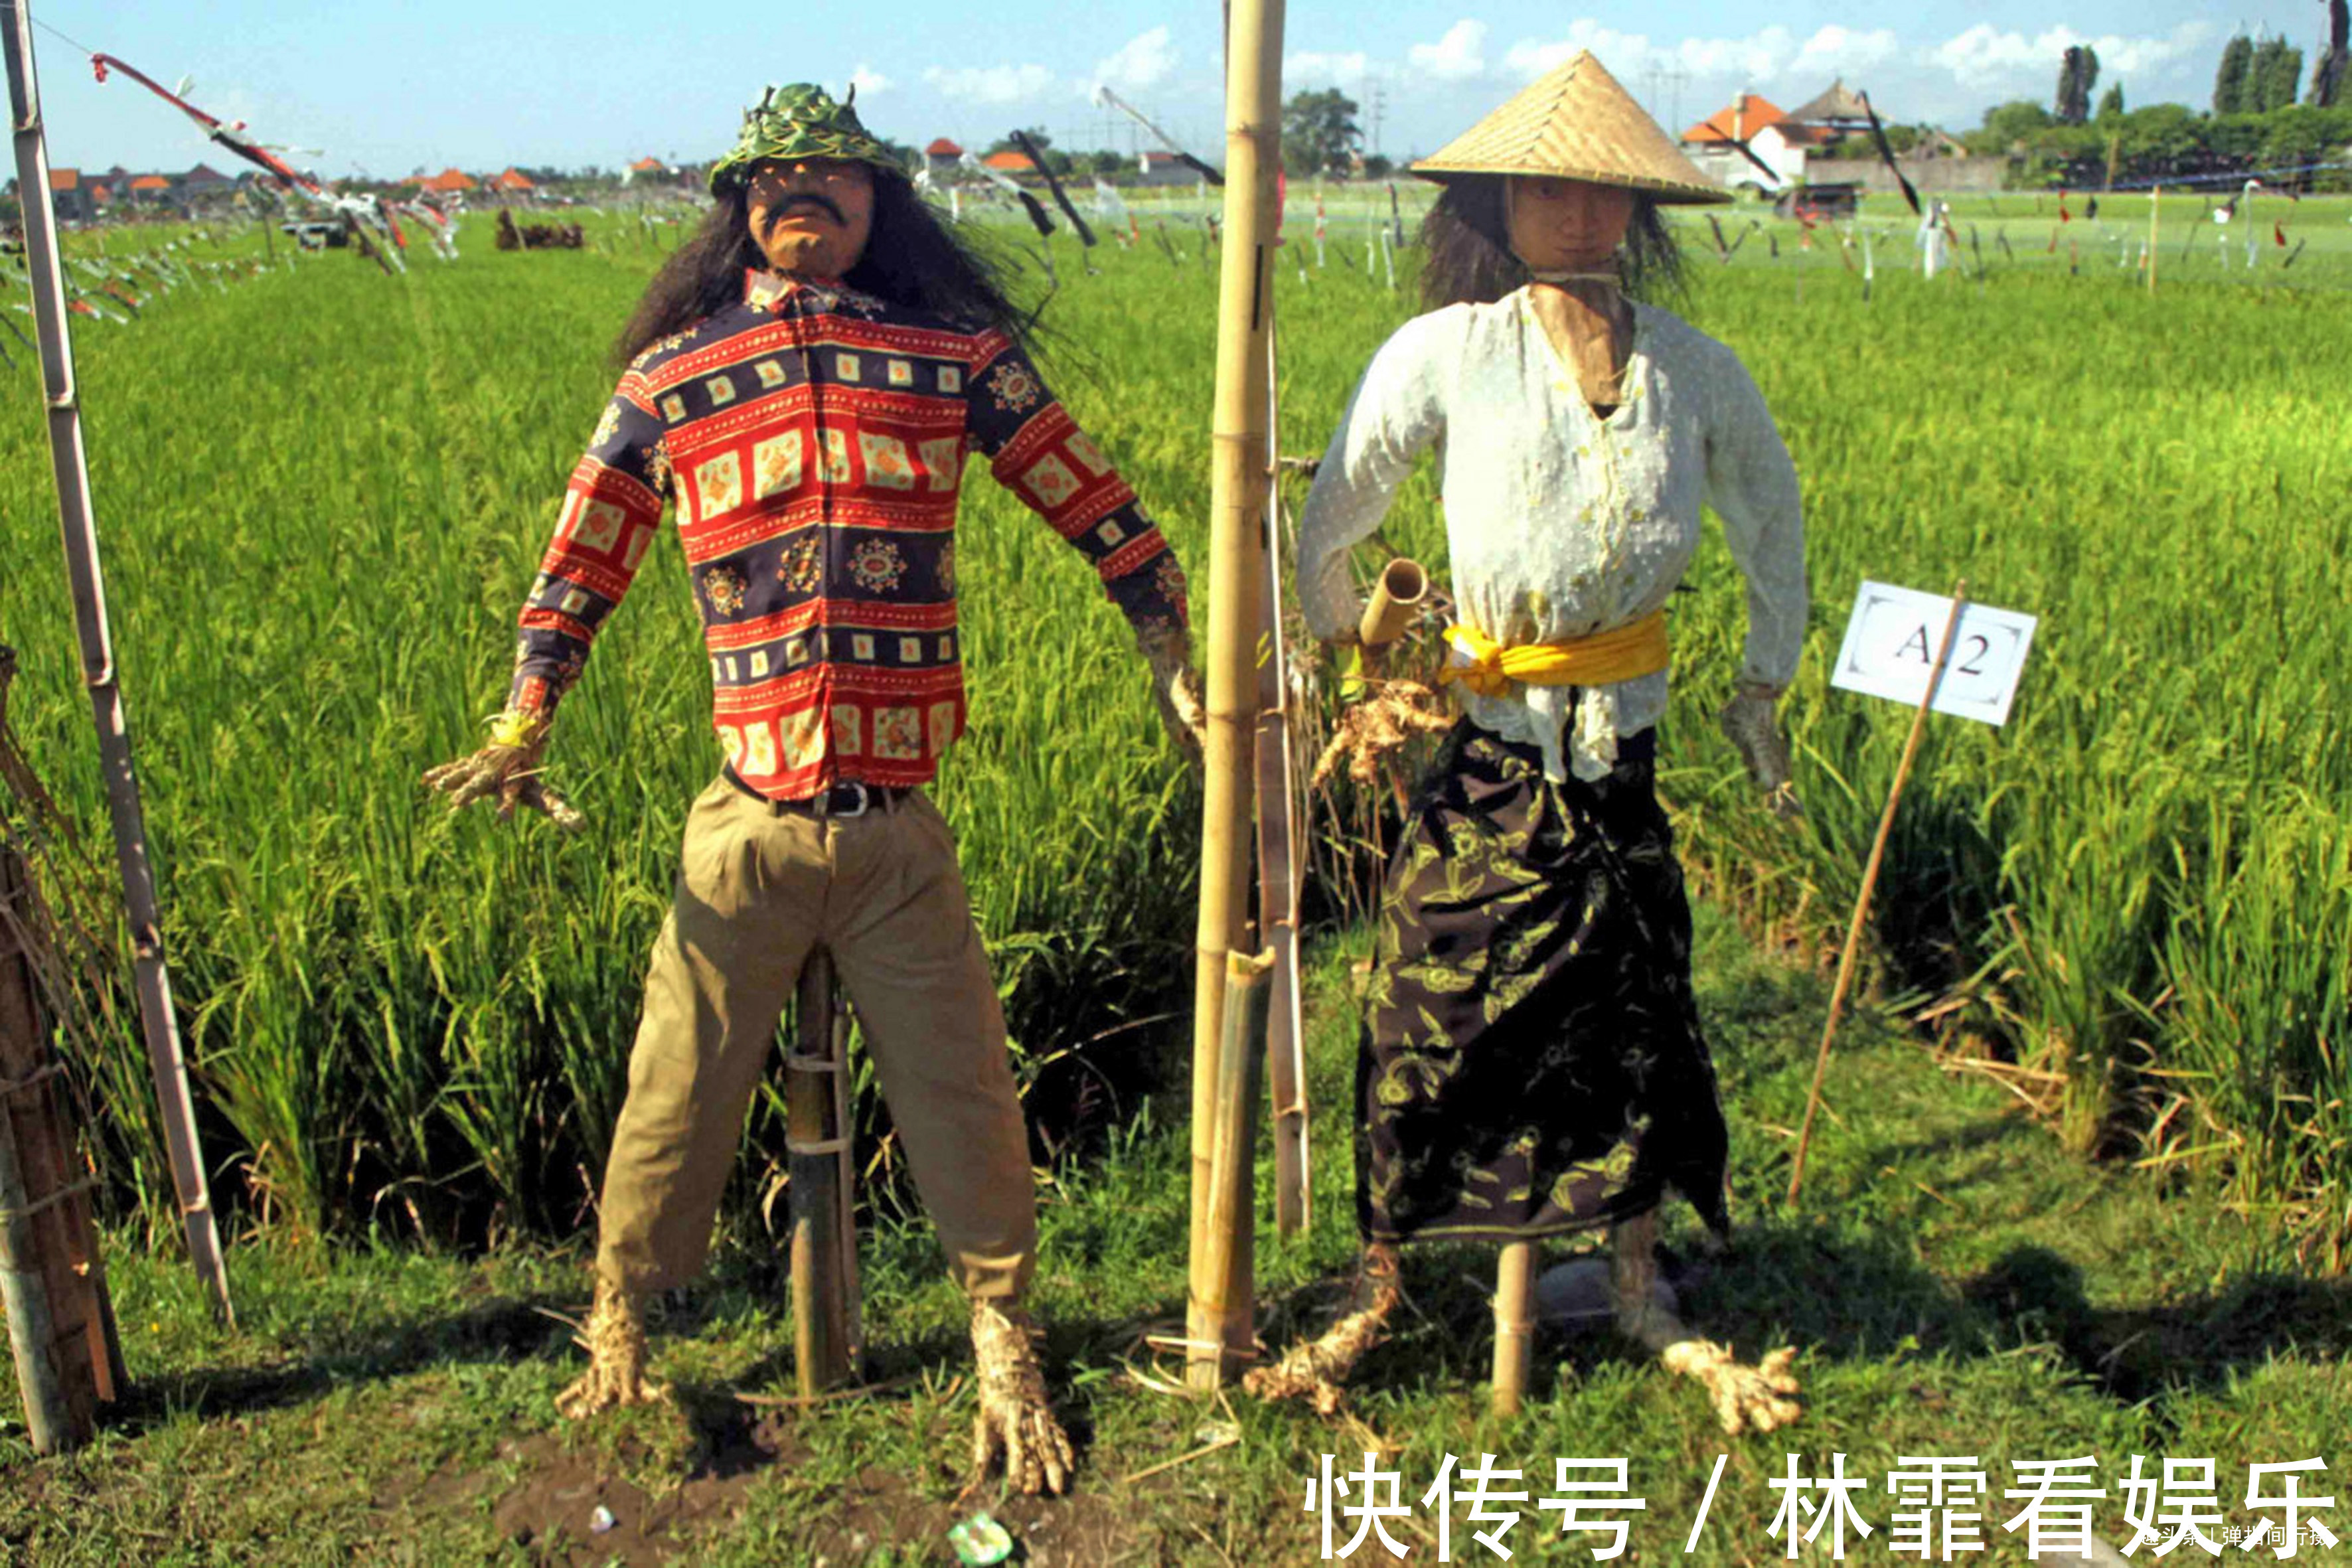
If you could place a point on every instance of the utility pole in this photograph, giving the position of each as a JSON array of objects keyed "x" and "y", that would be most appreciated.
[{"x": 1375, "y": 97}]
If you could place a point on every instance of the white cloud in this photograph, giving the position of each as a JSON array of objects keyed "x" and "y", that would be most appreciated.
[
  {"x": 1985, "y": 56},
  {"x": 1838, "y": 51},
  {"x": 1299, "y": 69},
  {"x": 1143, "y": 61},
  {"x": 1753, "y": 58},
  {"x": 990, "y": 84},
  {"x": 1453, "y": 57},
  {"x": 1620, "y": 53},
  {"x": 868, "y": 81}
]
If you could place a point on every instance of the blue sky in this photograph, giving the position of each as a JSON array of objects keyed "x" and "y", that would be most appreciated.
[{"x": 388, "y": 91}]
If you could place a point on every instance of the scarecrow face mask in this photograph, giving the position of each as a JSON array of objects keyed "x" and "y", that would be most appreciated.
[
  {"x": 811, "y": 216},
  {"x": 1557, "y": 225}
]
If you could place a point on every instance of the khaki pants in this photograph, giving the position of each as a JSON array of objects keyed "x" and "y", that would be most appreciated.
[{"x": 757, "y": 887}]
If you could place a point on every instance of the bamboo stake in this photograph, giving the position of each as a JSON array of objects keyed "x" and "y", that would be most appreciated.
[
  {"x": 1223, "y": 1304},
  {"x": 1237, "y": 483},
  {"x": 1514, "y": 1327},
  {"x": 71, "y": 474},
  {"x": 50, "y": 1416},
  {"x": 816, "y": 1138},
  {"x": 1870, "y": 880},
  {"x": 1397, "y": 597}
]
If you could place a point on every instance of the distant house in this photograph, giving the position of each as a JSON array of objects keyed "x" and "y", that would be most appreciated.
[
  {"x": 1154, "y": 167},
  {"x": 1010, "y": 161},
  {"x": 150, "y": 188},
  {"x": 1778, "y": 143},
  {"x": 69, "y": 195},
  {"x": 1839, "y": 109},
  {"x": 448, "y": 183},
  {"x": 204, "y": 181},
  {"x": 514, "y": 182},
  {"x": 941, "y": 157}
]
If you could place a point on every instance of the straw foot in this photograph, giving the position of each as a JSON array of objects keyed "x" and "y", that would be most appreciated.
[
  {"x": 1314, "y": 1369},
  {"x": 1015, "y": 1422},
  {"x": 614, "y": 1339},
  {"x": 1745, "y": 1397}
]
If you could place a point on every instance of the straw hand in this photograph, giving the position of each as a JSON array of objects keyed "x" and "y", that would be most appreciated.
[
  {"x": 1176, "y": 688},
  {"x": 506, "y": 770},
  {"x": 1016, "y": 1419},
  {"x": 1750, "y": 721}
]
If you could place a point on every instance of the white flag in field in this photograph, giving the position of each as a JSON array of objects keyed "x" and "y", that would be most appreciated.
[{"x": 1890, "y": 651}]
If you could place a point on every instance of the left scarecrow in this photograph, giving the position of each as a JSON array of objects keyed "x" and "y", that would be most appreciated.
[{"x": 804, "y": 376}]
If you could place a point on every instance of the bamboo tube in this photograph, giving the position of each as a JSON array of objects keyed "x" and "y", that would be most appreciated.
[
  {"x": 32, "y": 1329},
  {"x": 1396, "y": 599},
  {"x": 813, "y": 1135},
  {"x": 1870, "y": 880},
  {"x": 101, "y": 675},
  {"x": 1515, "y": 1325},
  {"x": 1278, "y": 863},
  {"x": 1223, "y": 1299},
  {"x": 1237, "y": 506}
]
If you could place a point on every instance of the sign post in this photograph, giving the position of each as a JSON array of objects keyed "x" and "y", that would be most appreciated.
[{"x": 1972, "y": 669}]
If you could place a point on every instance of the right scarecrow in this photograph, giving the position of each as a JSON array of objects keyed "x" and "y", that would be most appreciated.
[{"x": 1533, "y": 1063}]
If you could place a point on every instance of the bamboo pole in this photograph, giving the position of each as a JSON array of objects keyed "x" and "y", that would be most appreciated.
[
  {"x": 1224, "y": 1301},
  {"x": 1870, "y": 880},
  {"x": 1278, "y": 862},
  {"x": 1397, "y": 597},
  {"x": 1515, "y": 1325},
  {"x": 824, "y": 1242},
  {"x": 49, "y": 1416},
  {"x": 1236, "y": 512},
  {"x": 79, "y": 526}
]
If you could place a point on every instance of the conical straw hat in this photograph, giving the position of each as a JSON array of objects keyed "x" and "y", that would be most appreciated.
[{"x": 1575, "y": 122}]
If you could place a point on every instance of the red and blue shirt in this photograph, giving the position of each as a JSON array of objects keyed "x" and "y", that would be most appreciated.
[{"x": 813, "y": 439}]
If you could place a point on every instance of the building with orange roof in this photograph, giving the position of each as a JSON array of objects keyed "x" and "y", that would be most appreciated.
[
  {"x": 448, "y": 183},
  {"x": 514, "y": 180},
  {"x": 1778, "y": 144},
  {"x": 69, "y": 195},
  {"x": 941, "y": 157}
]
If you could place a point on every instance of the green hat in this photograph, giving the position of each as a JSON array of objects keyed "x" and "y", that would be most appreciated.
[{"x": 800, "y": 121}]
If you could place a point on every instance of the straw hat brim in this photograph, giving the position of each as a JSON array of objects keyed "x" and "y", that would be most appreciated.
[{"x": 1575, "y": 122}]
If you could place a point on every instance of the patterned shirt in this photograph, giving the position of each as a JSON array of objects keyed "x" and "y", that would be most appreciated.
[{"x": 813, "y": 439}]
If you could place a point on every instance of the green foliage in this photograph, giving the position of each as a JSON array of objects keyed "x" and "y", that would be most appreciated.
[
  {"x": 2078, "y": 72},
  {"x": 2272, "y": 79},
  {"x": 1319, "y": 132},
  {"x": 2110, "y": 104},
  {"x": 2008, "y": 125},
  {"x": 2232, "y": 92}
]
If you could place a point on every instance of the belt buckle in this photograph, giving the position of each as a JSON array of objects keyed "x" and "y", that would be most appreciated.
[{"x": 865, "y": 799}]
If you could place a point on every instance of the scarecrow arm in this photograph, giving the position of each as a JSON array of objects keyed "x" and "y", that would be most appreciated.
[
  {"x": 1752, "y": 486},
  {"x": 1395, "y": 415},
  {"x": 611, "y": 509}
]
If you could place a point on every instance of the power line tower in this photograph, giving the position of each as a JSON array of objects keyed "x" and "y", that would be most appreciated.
[{"x": 1375, "y": 97}]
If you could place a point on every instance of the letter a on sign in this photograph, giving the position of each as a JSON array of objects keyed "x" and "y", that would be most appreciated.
[{"x": 1890, "y": 651}]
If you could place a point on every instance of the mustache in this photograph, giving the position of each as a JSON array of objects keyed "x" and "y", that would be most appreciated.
[{"x": 795, "y": 202}]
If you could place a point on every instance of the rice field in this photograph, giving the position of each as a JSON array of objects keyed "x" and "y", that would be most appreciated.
[{"x": 322, "y": 493}]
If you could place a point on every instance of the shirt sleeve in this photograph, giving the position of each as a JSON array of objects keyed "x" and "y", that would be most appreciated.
[
  {"x": 1038, "y": 451},
  {"x": 611, "y": 509},
  {"x": 1752, "y": 486},
  {"x": 1397, "y": 411}
]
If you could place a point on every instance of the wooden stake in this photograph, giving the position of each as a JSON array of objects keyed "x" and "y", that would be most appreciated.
[
  {"x": 1222, "y": 1299},
  {"x": 816, "y": 1138},
  {"x": 1279, "y": 861},
  {"x": 1236, "y": 514},
  {"x": 1870, "y": 880},
  {"x": 1515, "y": 1325}
]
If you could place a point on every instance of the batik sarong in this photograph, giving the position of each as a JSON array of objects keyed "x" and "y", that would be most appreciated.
[{"x": 1533, "y": 1063}]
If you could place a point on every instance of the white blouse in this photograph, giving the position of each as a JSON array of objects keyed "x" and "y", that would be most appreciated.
[{"x": 1559, "y": 523}]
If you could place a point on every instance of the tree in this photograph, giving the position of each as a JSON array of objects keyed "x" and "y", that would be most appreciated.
[
  {"x": 2229, "y": 82},
  {"x": 2282, "y": 79},
  {"x": 1318, "y": 131},
  {"x": 2111, "y": 102},
  {"x": 2328, "y": 76},
  {"x": 2008, "y": 125},
  {"x": 1106, "y": 162},
  {"x": 1035, "y": 133},
  {"x": 1378, "y": 166},
  {"x": 2078, "y": 72}
]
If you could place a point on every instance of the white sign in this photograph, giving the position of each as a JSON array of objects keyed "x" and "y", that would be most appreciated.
[{"x": 1890, "y": 651}]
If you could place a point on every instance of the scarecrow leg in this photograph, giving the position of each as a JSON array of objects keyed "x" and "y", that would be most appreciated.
[
  {"x": 1315, "y": 1368},
  {"x": 615, "y": 1340},
  {"x": 1016, "y": 1417},
  {"x": 1745, "y": 1396}
]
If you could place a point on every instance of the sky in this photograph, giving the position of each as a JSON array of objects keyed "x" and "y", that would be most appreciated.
[{"x": 386, "y": 91}]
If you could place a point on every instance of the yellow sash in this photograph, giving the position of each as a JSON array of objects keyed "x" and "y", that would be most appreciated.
[{"x": 1621, "y": 653}]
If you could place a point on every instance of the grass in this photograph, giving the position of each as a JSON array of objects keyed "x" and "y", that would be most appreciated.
[
  {"x": 323, "y": 493},
  {"x": 1956, "y": 1283}
]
